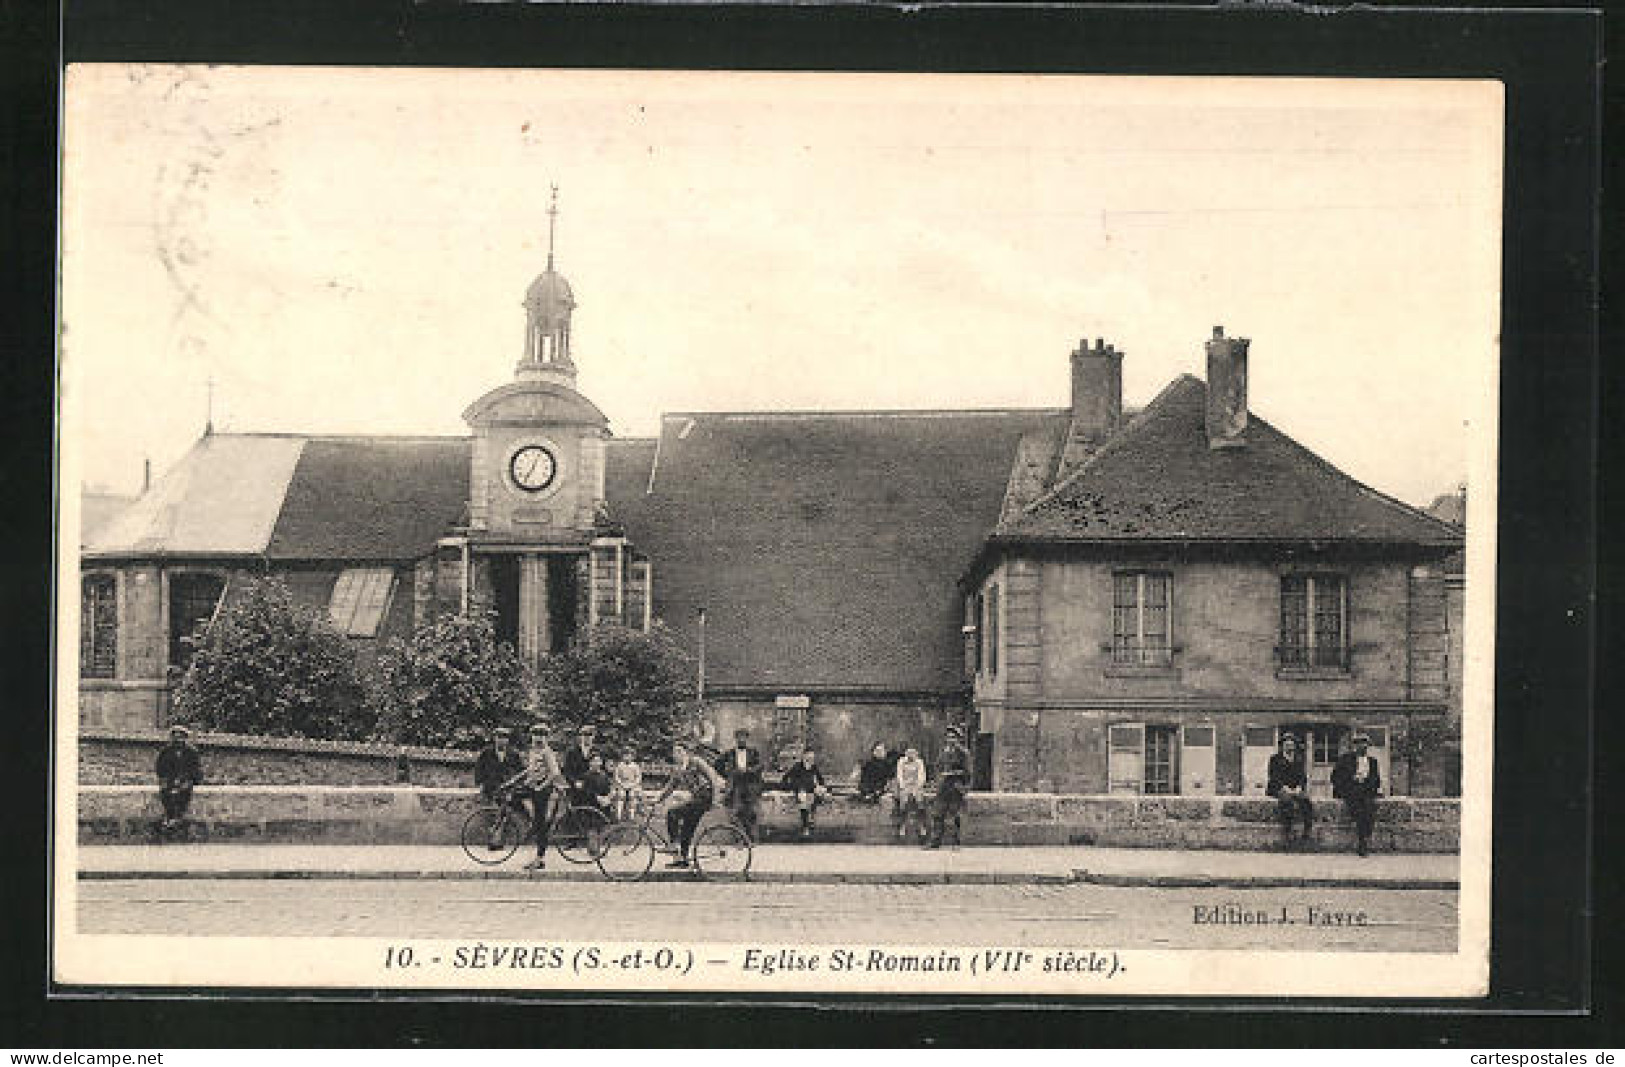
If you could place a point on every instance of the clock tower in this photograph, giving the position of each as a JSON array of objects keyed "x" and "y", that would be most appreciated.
[{"x": 539, "y": 549}]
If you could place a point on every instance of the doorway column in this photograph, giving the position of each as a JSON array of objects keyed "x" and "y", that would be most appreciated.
[{"x": 534, "y": 637}]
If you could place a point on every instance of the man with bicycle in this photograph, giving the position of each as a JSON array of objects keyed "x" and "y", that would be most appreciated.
[
  {"x": 694, "y": 786},
  {"x": 541, "y": 781}
]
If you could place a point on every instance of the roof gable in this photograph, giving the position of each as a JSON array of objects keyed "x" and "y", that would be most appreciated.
[{"x": 1157, "y": 479}]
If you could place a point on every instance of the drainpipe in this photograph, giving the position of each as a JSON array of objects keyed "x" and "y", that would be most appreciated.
[{"x": 700, "y": 667}]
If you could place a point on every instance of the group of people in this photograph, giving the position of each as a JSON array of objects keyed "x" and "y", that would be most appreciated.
[
  {"x": 1356, "y": 781},
  {"x": 539, "y": 782},
  {"x": 905, "y": 776}
]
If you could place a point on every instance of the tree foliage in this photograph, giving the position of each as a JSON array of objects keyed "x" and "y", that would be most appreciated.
[
  {"x": 450, "y": 684},
  {"x": 270, "y": 665},
  {"x": 636, "y": 688}
]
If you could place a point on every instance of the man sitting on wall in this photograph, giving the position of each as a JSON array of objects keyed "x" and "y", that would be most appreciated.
[
  {"x": 1290, "y": 788},
  {"x": 179, "y": 770},
  {"x": 1356, "y": 780}
]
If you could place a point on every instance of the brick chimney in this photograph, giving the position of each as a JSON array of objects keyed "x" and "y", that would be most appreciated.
[
  {"x": 1226, "y": 390},
  {"x": 1097, "y": 400}
]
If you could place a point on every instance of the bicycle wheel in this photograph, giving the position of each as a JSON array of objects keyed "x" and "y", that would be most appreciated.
[
  {"x": 722, "y": 853},
  {"x": 579, "y": 834},
  {"x": 492, "y": 835},
  {"x": 626, "y": 853}
]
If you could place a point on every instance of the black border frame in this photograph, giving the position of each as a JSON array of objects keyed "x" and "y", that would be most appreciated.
[{"x": 1549, "y": 61}]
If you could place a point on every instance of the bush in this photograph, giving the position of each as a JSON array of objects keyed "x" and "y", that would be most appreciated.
[
  {"x": 269, "y": 665},
  {"x": 636, "y": 688},
  {"x": 449, "y": 685}
]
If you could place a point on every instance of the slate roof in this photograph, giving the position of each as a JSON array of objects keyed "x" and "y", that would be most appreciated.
[
  {"x": 371, "y": 498},
  {"x": 1157, "y": 480},
  {"x": 221, "y": 499},
  {"x": 826, "y": 548}
]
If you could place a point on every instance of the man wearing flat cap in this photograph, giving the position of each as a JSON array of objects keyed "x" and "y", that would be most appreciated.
[
  {"x": 179, "y": 770},
  {"x": 578, "y": 764},
  {"x": 1356, "y": 780},
  {"x": 741, "y": 769},
  {"x": 497, "y": 764}
]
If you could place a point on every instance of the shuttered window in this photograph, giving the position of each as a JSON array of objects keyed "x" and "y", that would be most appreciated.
[
  {"x": 360, "y": 599},
  {"x": 993, "y": 630},
  {"x": 1141, "y": 618},
  {"x": 98, "y": 626}
]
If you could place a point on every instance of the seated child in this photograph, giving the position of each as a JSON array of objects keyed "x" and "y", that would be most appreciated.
[{"x": 628, "y": 787}]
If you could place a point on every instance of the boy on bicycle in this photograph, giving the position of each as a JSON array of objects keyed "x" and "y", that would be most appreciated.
[{"x": 694, "y": 787}]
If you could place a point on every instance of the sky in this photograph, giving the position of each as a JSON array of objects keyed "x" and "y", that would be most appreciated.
[{"x": 346, "y": 250}]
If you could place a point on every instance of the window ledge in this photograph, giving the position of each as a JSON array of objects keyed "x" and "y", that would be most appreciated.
[
  {"x": 1129, "y": 670},
  {"x": 1312, "y": 674}
]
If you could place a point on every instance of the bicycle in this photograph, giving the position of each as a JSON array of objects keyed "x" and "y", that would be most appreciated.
[
  {"x": 721, "y": 851},
  {"x": 495, "y": 830}
]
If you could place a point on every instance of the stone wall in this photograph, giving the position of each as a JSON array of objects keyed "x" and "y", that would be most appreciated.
[
  {"x": 108, "y": 757},
  {"x": 430, "y": 815}
]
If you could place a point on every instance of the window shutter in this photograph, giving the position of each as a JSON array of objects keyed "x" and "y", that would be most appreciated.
[
  {"x": 1125, "y": 764},
  {"x": 1197, "y": 760},
  {"x": 1257, "y": 746}
]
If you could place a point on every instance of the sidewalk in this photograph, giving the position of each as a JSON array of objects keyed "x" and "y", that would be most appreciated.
[{"x": 813, "y": 863}]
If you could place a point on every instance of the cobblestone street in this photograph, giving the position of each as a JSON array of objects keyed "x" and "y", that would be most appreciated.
[{"x": 1028, "y": 915}]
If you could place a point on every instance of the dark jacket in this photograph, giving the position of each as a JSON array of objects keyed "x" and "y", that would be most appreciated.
[
  {"x": 179, "y": 766},
  {"x": 1285, "y": 774},
  {"x": 575, "y": 766},
  {"x": 1344, "y": 785},
  {"x": 491, "y": 770},
  {"x": 876, "y": 773},
  {"x": 953, "y": 769},
  {"x": 746, "y": 782},
  {"x": 595, "y": 785},
  {"x": 801, "y": 778}
]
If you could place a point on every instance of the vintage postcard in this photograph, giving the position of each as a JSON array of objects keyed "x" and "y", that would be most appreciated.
[{"x": 632, "y": 531}]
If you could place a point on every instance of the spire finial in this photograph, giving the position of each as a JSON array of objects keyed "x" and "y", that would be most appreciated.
[{"x": 552, "y": 224}]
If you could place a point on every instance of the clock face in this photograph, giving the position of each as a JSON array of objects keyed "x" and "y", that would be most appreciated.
[{"x": 533, "y": 468}]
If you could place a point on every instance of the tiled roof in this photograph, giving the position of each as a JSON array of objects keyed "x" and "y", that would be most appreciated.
[
  {"x": 1158, "y": 480},
  {"x": 222, "y": 498},
  {"x": 826, "y": 548},
  {"x": 371, "y": 498}
]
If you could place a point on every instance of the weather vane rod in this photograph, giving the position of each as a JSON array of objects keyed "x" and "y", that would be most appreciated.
[{"x": 552, "y": 223}]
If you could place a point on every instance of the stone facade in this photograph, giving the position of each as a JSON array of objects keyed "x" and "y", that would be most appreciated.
[{"x": 1048, "y": 689}]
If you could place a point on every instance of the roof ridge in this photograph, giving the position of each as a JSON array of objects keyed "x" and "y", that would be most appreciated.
[{"x": 1112, "y": 444}]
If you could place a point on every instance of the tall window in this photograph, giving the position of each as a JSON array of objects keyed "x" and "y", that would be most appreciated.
[
  {"x": 192, "y": 600},
  {"x": 993, "y": 630},
  {"x": 1314, "y": 617},
  {"x": 1160, "y": 776},
  {"x": 1141, "y": 619},
  {"x": 360, "y": 599},
  {"x": 98, "y": 626}
]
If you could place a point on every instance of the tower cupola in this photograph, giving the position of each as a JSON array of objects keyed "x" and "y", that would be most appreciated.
[{"x": 548, "y": 305}]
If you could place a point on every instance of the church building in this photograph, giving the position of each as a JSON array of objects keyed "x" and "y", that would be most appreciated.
[{"x": 1109, "y": 600}]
